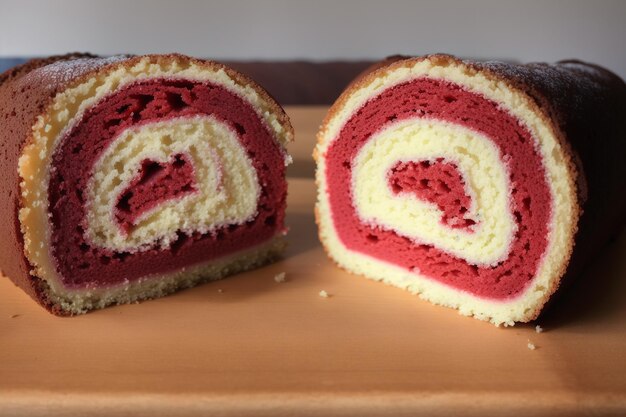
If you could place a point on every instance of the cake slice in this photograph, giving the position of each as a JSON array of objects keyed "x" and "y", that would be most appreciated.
[
  {"x": 130, "y": 177},
  {"x": 465, "y": 182}
]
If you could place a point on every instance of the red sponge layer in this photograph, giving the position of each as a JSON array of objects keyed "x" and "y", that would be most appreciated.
[
  {"x": 155, "y": 183},
  {"x": 437, "y": 182}
]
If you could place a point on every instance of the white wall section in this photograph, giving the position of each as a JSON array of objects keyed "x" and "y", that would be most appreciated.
[{"x": 529, "y": 30}]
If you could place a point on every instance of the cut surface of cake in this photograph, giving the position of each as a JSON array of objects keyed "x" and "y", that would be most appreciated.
[
  {"x": 465, "y": 182},
  {"x": 130, "y": 177}
]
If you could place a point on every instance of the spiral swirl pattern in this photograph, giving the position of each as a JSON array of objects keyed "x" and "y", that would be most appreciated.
[{"x": 449, "y": 183}]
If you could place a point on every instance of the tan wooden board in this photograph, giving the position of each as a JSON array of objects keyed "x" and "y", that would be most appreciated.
[{"x": 264, "y": 348}]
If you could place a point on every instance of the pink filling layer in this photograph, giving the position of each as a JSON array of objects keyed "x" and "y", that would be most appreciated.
[
  {"x": 79, "y": 263},
  {"x": 155, "y": 183},
  {"x": 441, "y": 184}
]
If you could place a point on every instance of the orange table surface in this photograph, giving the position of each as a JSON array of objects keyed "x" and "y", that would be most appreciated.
[{"x": 248, "y": 345}]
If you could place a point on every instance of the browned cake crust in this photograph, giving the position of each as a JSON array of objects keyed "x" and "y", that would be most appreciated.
[
  {"x": 588, "y": 105},
  {"x": 22, "y": 99},
  {"x": 26, "y": 91}
]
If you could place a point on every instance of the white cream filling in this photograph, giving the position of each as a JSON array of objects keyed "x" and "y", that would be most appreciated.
[{"x": 476, "y": 157}]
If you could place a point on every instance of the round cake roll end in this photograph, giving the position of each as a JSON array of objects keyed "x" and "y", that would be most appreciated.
[
  {"x": 458, "y": 181},
  {"x": 138, "y": 176}
]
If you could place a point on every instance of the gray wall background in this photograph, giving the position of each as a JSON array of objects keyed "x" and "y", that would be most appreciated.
[{"x": 523, "y": 30}]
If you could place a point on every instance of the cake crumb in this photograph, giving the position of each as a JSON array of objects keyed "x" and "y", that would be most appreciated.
[
  {"x": 220, "y": 290},
  {"x": 280, "y": 277},
  {"x": 538, "y": 329},
  {"x": 324, "y": 294},
  {"x": 531, "y": 345}
]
